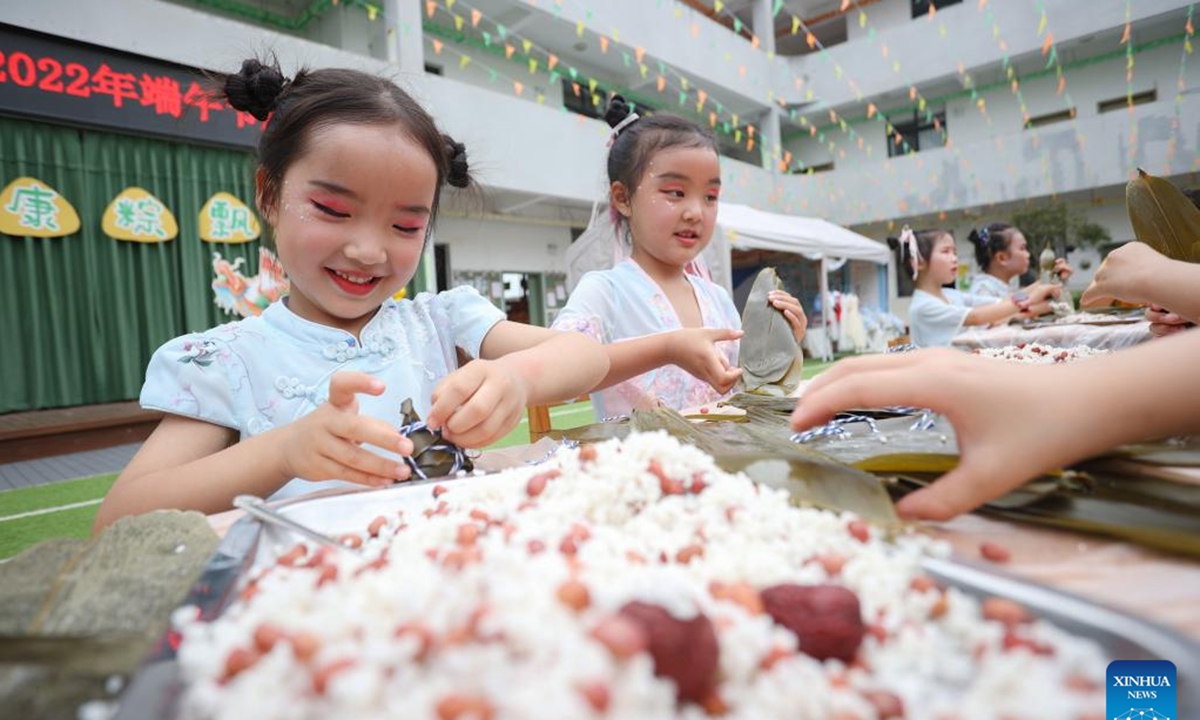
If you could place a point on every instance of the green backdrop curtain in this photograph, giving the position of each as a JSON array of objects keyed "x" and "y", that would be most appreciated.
[{"x": 82, "y": 314}]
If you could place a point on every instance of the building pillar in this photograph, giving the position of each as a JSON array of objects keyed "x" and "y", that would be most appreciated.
[
  {"x": 772, "y": 140},
  {"x": 763, "y": 24},
  {"x": 405, "y": 45}
]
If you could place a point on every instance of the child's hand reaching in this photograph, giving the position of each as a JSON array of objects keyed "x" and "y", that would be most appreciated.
[
  {"x": 1001, "y": 442},
  {"x": 327, "y": 443},
  {"x": 1163, "y": 322},
  {"x": 477, "y": 404},
  {"x": 695, "y": 350},
  {"x": 1126, "y": 274},
  {"x": 784, "y": 302}
]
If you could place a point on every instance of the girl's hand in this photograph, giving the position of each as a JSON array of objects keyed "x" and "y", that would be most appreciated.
[
  {"x": 1164, "y": 322},
  {"x": 784, "y": 302},
  {"x": 1126, "y": 275},
  {"x": 695, "y": 350},
  {"x": 1062, "y": 269},
  {"x": 327, "y": 443},
  {"x": 1039, "y": 293},
  {"x": 477, "y": 404},
  {"x": 1001, "y": 444}
]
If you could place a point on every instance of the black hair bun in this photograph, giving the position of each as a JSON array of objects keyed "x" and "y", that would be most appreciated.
[
  {"x": 459, "y": 175},
  {"x": 255, "y": 88},
  {"x": 617, "y": 111}
]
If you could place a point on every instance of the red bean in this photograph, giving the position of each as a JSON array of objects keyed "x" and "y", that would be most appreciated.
[
  {"x": 266, "y": 636},
  {"x": 623, "y": 637},
  {"x": 377, "y": 525},
  {"x": 995, "y": 552},
  {"x": 574, "y": 594},
  {"x": 1004, "y": 610},
  {"x": 464, "y": 707},
  {"x": 238, "y": 660}
]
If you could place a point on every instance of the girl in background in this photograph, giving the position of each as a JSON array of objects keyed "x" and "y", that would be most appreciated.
[
  {"x": 1003, "y": 254},
  {"x": 936, "y": 313},
  {"x": 664, "y": 181},
  {"x": 349, "y": 178}
]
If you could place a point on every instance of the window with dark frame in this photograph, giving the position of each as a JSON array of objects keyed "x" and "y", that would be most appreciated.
[
  {"x": 920, "y": 8},
  {"x": 1147, "y": 96},
  {"x": 1050, "y": 118},
  {"x": 577, "y": 97},
  {"x": 923, "y": 132}
]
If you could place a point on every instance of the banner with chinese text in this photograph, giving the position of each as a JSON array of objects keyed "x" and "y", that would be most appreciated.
[{"x": 50, "y": 77}]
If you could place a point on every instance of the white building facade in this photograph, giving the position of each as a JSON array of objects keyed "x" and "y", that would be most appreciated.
[{"x": 869, "y": 113}]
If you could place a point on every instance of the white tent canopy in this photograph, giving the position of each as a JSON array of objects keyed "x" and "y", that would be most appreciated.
[
  {"x": 816, "y": 239},
  {"x": 831, "y": 245}
]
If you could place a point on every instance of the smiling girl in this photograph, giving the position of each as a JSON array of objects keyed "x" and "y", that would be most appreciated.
[
  {"x": 664, "y": 182},
  {"x": 349, "y": 179}
]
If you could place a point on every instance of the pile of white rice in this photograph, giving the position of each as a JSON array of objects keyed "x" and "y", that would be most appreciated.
[
  {"x": 1040, "y": 354},
  {"x": 473, "y": 609}
]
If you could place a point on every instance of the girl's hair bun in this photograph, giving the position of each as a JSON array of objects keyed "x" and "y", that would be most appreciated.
[
  {"x": 617, "y": 111},
  {"x": 459, "y": 175},
  {"x": 255, "y": 88}
]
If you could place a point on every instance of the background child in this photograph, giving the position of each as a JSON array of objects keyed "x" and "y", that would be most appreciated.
[
  {"x": 1137, "y": 273},
  {"x": 937, "y": 314},
  {"x": 665, "y": 178},
  {"x": 1003, "y": 254},
  {"x": 349, "y": 178},
  {"x": 1002, "y": 443}
]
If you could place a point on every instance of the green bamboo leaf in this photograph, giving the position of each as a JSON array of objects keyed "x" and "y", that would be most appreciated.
[
  {"x": 768, "y": 354},
  {"x": 1163, "y": 217}
]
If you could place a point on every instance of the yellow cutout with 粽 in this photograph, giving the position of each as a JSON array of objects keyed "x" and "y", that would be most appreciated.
[
  {"x": 225, "y": 219},
  {"x": 138, "y": 216},
  {"x": 30, "y": 207}
]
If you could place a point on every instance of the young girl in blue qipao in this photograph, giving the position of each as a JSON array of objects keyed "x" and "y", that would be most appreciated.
[
  {"x": 664, "y": 180},
  {"x": 349, "y": 178},
  {"x": 936, "y": 313}
]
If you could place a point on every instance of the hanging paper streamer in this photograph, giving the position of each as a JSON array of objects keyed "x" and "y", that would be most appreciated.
[
  {"x": 30, "y": 207},
  {"x": 138, "y": 216},
  {"x": 244, "y": 296}
]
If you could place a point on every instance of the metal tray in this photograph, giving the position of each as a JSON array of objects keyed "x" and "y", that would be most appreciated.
[{"x": 156, "y": 687}]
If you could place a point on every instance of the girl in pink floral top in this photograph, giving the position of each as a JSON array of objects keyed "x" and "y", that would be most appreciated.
[{"x": 665, "y": 178}]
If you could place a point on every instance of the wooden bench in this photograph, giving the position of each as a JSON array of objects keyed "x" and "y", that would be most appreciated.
[
  {"x": 539, "y": 418},
  {"x": 44, "y": 433}
]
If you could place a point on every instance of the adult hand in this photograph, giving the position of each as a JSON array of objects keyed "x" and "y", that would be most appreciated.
[
  {"x": 1002, "y": 444},
  {"x": 784, "y": 302},
  {"x": 477, "y": 404},
  {"x": 1126, "y": 275},
  {"x": 327, "y": 443},
  {"x": 695, "y": 350}
]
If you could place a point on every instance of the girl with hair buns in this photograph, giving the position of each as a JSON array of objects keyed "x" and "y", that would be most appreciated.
[
  {"x": 937, "y": 314},
  {"x": 1003, "y": 254},
  {"x": 664, "y": 179},
  {"x": 349, "y": 176}
]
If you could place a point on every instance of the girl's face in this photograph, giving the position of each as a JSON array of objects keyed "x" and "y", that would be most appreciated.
[
  {"x": 1015, "y": 260},
  {"x": 350, "y": 221},
  {"x": 942, "y": 265},
  {"x": 673, "y": 210}
]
